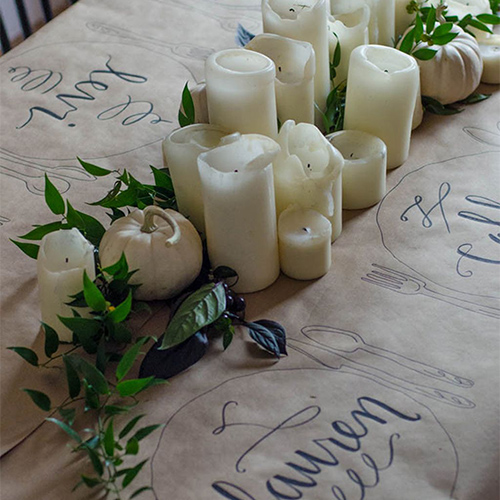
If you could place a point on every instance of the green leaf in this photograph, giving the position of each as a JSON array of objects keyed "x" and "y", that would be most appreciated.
[
  {"x": 444, "y": 39},
  {"x": 67, "y": 429},
  {"x": 424, "y": 54},
  {"x": 93, "y": 376},
  {"x": 94, "y": 230},
  {"x": 132, "y": 447},
  {"x": 199, "y": 309},
  {"x": 479, "y": 25},
  {"x": 121, "y": 333},
  {"x": 85, "y": 327},
  {"x": 132, "y": 473},
  {"x": 186, "y": 115},
  {"x": 119, "y": 269},
  {"x": 27, "y": 354},
  {"x": 136, "y": 493},
  {"x": 73, "y": 218},
  {"x": 53, "y": 198},
  {"x": 122, "y": 310},
  {"x": 92, "y": 401},
  {"x": 94, "y": 169},
  {"x": 133, "y": 386},
  {"x": 128, "y": 359},
  {"x": 435, "y": 107},
  {"x": 40, "y": 231},
  {"x": 68, "y": 414},
  {"x": 109, "y": 440},
  {"x": 146, "y": 431},
  {"x": 93, "y": 296},
  {"x": 51, "y": 340},
  {"x": 96, "y": 461},
  {"x": 39, "y": 398},
  {"x": 72, "y": 378},
  {"x": 475, "y": 97},
  {"x": 129, "y": 426},
  {"x": 407, "y": 43},
  {"x": 162, "y": 178},
  {"x": 90, "y": 482},
  {"x": 30, "y": 249},
  {"x": 419, "y": 29},
  {"x": 442, "y": 29},
  {"x": 117, "y": 410},
  {"x": 488, "y": 18},
  {"x": 431, "y": 20}
]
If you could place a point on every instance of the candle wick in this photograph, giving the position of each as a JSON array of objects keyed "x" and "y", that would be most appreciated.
[
  {"x": 236, "y": 170},
  {"x": 67, "y": 260},
  {"x": 386, "y": 71},
  {"x": 351, "y": 155},
  {"x": 309, "y": 166},
  {"x": 306, "y": 229},
  {"x": 279, "y": 68},
  {"x": 292, "y": 10}
]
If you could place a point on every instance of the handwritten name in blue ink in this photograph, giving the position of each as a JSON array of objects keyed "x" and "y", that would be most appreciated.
[{"x": 305, "y": 469}]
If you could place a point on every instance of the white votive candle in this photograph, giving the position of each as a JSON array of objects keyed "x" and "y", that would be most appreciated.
[
  {"x": 63, "y": 257},
  {"x": 351, "y": 30},
  {"x": 305, "y": 173},
  {"x": 295, "y": 68},
  {"x": 307, "y": 21},
  {"x": 365, "y": 166},
  {"x": 490, "y": 52},
  {"x": 240, "y": 92},
  {"x": 381, "y": 97},
  {"x": 304, "y": 243},
  {"x": 180, "y": 153},
  {"x": 240, "y": 211}
]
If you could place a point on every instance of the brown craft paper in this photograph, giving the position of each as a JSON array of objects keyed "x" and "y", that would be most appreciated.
[{"x": 390, "y": 389}]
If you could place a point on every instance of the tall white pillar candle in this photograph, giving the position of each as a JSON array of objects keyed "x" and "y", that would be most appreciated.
[
  {"x": 307, "y": 21},
  {"x": 63, "y": 257},
  {"x": 180, "y": 154},
  {"x": 240, "y": 211},
  {"x": 240, "y": 92},
  {"x": 295, "y": 68},
  {"x": 305, "y": 172},
  {"x": 381, "y": 97},
  {"x": 304, "y": 243},
  {"x": 350, "y": 30},
  {"x": 365, "y": 166},
  {"x": 490, "y": 51}
]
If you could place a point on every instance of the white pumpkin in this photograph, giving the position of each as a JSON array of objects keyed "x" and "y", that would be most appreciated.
[
  {"x": 162, "y": 245},
  {"x": 454, "y": 72}
]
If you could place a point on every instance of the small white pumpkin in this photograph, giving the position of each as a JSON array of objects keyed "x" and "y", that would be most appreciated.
[
  {"x": 167, "y": 254},
  {"x": 454, "y": 72}
]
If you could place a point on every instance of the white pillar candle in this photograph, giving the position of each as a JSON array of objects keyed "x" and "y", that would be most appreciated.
[
  {"x": 365, "y": 166},
  {"x": 418, "y": 112},
  {"x": 403, "y": 19},
  {"x": 381, "y": 96},
  {"x": 304, "y": 243},
  {"x": 63, "y": 257},
  {"x": 305, "y": 172},
  {"x": 240, "y": 211},
  {"x": 180, "y": 153},
  {"x": 240, "y": 92},
  {"x": 351, "y": 30},
  {"x": 490, "y": 51},
  {"x": 295, "y": 68},
  {"x": 307, "y": 21}
]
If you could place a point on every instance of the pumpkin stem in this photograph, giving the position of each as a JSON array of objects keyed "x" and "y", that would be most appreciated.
[
  {"x": 440, "y": 10},
  {"x": 150, "y": 227}
]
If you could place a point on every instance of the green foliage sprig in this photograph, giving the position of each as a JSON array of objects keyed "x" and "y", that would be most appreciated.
[
  {"x": 333, "y": 116},
  {"x": 109, "y": 450},
  {"x": 186, "y": 114}
]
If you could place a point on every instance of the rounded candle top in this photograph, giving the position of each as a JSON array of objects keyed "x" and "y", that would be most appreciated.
[
  {"x": 241, "y": 64},
  {"x": 301, "y": 225},
  {"x": 356, "y": 146},
  {"x": 385, "y": 60},
  {"x": 204, "y": 135},
  {"x": 290, "y": 9},
  {"x": 351, "y": 19}
]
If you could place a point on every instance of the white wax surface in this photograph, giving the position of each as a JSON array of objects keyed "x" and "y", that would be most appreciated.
[
  {"x": 306, "y": 21},
  {"x": 180, "y": 152},
  {"x": 352, "y": 31},
  {"x": 295, "y": 68},
  {"x": 240, "y": 92},
  {"x": 62, "y": 259},
  {"x": 490, "y": 52},
  {"x": 305, "y": 172},
  {"x": 304, "y": 243},
  {"x": 365, "y": 165},
  {"x": 240, "y": 211},
  {"x": 381, "y": 97}
]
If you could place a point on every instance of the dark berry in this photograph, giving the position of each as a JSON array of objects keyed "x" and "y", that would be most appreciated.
[{"x": 239, "y": 304}]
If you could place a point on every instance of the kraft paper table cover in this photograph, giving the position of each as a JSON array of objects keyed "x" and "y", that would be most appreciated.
[{"x": 391, "y": 383}]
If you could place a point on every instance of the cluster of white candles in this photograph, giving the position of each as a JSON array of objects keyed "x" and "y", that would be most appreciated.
[{"x": 266, "y": 199}]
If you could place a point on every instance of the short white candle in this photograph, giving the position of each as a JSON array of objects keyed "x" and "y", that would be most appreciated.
[
  {"x": 490, "y": 51},
  {"x": 304, "y": 243},
  {"x": 381, "y": 97},
  {"x": 240, "y": 211},
  {"x": 365, "y": 166},
  {"x": 307, "y": 21},
  {"x": 351, "y": 29},
  {"x": 305, "y": 172},
  {"x": 240, "y": 92},
  {"x": 180, "y": 153},
  {"x": 63, "y": 257},
  {"x": 295, "y": 68}
]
